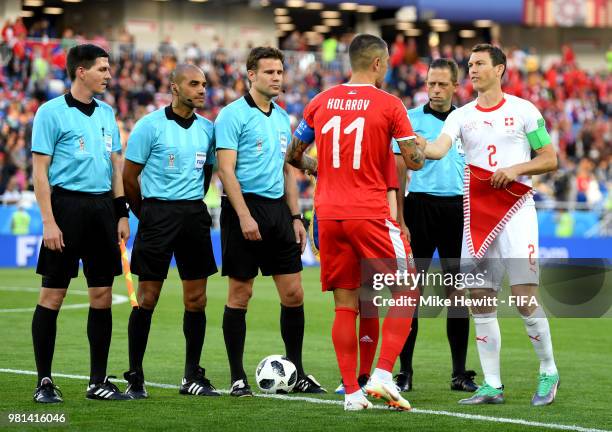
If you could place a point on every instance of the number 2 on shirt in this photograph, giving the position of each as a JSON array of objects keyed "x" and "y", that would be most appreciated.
[
  {"x": 492, "y": 150},
  {"x": 334, "y": 125}
]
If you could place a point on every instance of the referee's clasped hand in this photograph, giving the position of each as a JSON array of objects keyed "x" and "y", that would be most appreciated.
[
  {"x": 53, "y": 238},
  {"x": 300, "y": 233},
  {"x": 250, "y": 229}
]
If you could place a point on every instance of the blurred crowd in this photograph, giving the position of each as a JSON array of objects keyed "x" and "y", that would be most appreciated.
[{"x": 575, "y": 103}]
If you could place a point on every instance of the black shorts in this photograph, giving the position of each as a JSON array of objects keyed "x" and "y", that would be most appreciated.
[
  {"x": 434, "y": 222},
  {"x": 89, "y": 228},
  {"x": 277, "y": 253},
  {"x": 181, "y": 228}
]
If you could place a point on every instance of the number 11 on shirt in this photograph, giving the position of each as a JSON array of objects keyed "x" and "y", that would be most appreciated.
[{"x": 334, "y": 125}]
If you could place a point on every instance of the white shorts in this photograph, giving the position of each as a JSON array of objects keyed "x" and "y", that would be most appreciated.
[{"x": 515, "y": 250}]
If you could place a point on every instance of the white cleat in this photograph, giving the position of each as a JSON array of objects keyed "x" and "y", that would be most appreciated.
[
  {"x": 357, "y": 404},
  {"x": 387, "y": 391}
]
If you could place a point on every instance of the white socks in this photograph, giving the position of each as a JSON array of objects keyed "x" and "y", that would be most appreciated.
[
  {"x": 355, "y": 397},
  {"x": 538, "y": 331},
  {"x": 488, "y": 341},
  {"x": 382, "y": 375}
]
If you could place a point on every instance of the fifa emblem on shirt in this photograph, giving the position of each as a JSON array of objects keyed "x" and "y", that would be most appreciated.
[
  {"x": 259, "y": 144},
  {"x": 171, "y": 161},
  {"x": 509, "y": 121},
  {"x": 82, "y": 144}
]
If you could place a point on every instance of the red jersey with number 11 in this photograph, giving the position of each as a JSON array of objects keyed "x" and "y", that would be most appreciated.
[{"x": 353, "y": 125}]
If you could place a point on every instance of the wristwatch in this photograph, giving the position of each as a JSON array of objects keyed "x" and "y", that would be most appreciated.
[{"x": 298, "y": 216}]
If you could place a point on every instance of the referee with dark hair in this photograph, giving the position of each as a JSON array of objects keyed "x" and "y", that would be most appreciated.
[
  {"x": 172, "y": 149},
  {"x": 261, "y": 225},
  {"x": 432, "y": 218},
  {"x": 76, "y": 159}
]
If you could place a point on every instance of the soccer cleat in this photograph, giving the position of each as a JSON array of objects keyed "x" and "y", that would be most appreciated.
[
  {"x": 47, "y": 392},
  {"x": 241, "y": 388},
  {"x": 547, "y": 390},
  {"x": 135, "y": 388},
  {"x": 485, "y": 395},
  {"x": 362, "y": 380},
  {"x": 357, "y": 404},
  {"x": 403, "y": 381},
  {"x": 199, "y": 386},
  {"x": 464, "y": 382},
  {"x": 308, "y": 384},
  {"x": 388, "y": 392},
  {"x": 105, "y": 390}
]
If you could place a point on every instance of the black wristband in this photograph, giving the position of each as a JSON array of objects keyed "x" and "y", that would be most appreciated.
[
  {"x": 297, "y": 216},
  {"x": 122, "y": 208}
]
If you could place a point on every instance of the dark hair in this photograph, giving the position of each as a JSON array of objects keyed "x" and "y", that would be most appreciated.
[
  {"x": 497, "y": 55},
  {"x": 84, "y": 55},
  {"x": 363, "y": 49},
  {"x": 259, "y": 53},
  {"x": 449, "y": 64}
]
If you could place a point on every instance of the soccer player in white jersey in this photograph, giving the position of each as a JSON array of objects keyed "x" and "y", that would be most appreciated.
[{"x": 499, "y": 133}]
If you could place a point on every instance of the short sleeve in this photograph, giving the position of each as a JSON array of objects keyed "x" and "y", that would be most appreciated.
[
  {"x": 227, "y": 130},
  {"x": 402, "y": 129},
  {"x": 452, "y": 125},
  {"x": 140, "y": 142},
  {"x": 211, "y": 157},
  {"x": 535, "y": 127},
  {"x": 116, "y": 137},
  {"x": 391, "y": 173},
  {"x": 44, "y": 132}
]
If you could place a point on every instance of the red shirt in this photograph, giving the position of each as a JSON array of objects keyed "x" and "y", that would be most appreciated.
[{"x": 353, "y": 127}]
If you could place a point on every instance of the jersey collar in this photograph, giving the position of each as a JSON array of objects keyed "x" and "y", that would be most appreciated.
[
  {"x": 437, "y": 114},
  {"x": 249, "y": 100},
  {"x": 87, "y": 109},
  {"x": 185, "y": 123},
  {"x": 493, "y": 108}
]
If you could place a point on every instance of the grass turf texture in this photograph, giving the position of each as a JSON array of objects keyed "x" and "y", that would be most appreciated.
[{"x": 582, "y": 350}]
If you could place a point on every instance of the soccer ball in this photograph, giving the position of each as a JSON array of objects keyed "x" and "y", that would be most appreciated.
[{"x": 276, "y": 374}]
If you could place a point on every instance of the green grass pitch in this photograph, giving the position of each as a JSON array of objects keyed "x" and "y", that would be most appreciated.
[{"x": 583, "y": 348}]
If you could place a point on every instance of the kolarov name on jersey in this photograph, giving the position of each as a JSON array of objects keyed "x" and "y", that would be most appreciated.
[{"x": 348, "y": 105}]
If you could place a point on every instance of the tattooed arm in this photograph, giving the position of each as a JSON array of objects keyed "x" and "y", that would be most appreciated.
[
  {"x": 295, "y": 156},
  {"x": 413, "y": 154}
]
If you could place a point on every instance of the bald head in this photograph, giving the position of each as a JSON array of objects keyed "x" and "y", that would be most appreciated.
[
  {"x": 364, "y": 49},
  {"x": 183, "y": 70}
]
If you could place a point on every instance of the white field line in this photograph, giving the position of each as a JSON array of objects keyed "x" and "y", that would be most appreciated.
[
  {"x": 475, "y": 417},
  {"x": 117, "y": 299}
]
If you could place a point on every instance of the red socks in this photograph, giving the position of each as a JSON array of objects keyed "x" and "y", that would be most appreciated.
[
  {"x": 344, "y": 336},
  {"x": 368, "y": 342},
  {"x": 395, "y": 330}
]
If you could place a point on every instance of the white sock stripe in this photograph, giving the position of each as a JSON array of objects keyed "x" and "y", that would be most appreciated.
[{"x": 398, "y": 246}]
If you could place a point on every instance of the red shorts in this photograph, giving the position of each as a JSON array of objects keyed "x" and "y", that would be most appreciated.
[{"x": 343, "y": 244}]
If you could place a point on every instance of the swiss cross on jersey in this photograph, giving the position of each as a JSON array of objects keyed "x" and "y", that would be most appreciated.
[{"x": 509, "y": 121}]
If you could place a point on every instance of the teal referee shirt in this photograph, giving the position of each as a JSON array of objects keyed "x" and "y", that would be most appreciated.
[
  {"x": 442, "y": 177},
  {"x": 80, "y": 139},
  {"x": 173, "y": 151},
  {"x": 260, "y": 140}
]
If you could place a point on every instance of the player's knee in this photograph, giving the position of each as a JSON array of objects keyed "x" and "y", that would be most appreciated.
[
  {"x": 239, "y": 296},
  {"x": 195, "y": 301},
  {"x": 293, "y": 296},
  {"x": 526, "y": 310},
  {"x": 52, "y": 298},
  {"x": 148, "y": 300},
  {"x": 100, "y": 298}
]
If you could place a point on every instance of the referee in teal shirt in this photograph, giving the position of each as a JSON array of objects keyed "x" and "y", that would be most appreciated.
[
  {"x": 261, "y": 225},
  {"x": 432, "y": 218},
  {"x": 76, "y": 173},
  {"x": 172, "y": 150}
]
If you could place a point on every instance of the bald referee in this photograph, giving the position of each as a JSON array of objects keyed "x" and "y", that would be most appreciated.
[
  {"x": 261, "y": 226},
  {"x": 76, "y": 173},
  {"x": 172, "y": 150}
]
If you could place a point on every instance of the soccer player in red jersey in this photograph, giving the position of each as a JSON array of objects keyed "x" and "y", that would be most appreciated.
[{"x": 353, "y": 124}]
